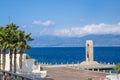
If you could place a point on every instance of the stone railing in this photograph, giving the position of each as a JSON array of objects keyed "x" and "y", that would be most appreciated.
[{"x": 6, "y": 75}]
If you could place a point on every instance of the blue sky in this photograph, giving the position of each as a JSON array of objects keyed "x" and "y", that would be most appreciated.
[{"x": 63, "y": 17}]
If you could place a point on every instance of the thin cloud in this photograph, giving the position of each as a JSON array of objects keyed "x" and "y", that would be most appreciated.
[
  {"x": 36, "y": 22},
  {"x": 45, "y": 23},
  {"x": 81, "y": 20},
  {"x": 119, "y": 23},
  {"x": 89, "y": 29},
  {"x": 24, "y": 26},
  {"x": 48, "y": 23}
]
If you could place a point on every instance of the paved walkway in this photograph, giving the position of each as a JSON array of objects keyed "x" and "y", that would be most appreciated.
[{"x": 62, "y": 73}]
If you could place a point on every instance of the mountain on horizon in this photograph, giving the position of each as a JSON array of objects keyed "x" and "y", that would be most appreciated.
[{"x": 55, "y": 41}]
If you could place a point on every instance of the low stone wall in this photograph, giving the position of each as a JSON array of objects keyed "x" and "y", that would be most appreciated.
[{"x": 28, "y": 65}]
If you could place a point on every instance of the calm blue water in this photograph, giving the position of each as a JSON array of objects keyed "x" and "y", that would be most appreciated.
[{"x": 53, "y": 55}]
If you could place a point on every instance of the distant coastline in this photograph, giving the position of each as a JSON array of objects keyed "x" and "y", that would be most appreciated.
[{"x": 57, "y": 41}]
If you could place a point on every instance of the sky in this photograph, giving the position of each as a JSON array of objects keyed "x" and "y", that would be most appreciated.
[{"x": 64, "y": 18}]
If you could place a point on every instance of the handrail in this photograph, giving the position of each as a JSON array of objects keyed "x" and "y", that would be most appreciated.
[{"x": 15, "y": 75}]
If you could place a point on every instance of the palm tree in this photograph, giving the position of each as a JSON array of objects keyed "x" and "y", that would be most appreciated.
[
  {"x": 13, "y": 39},
  {"x": 0, "y": 56},
  {"x": 22, "y": 45},
  {"x": 11, "y": 28},
  {"x": 16, "y": 40},
  {"x": 117, "y": 69},
  {"x": 4, "y": 44},
  {"x": 0, "y": 45}
]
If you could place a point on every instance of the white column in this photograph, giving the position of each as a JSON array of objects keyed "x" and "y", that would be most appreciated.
[
  {"x": 98, "y": 70},
  {"x": 89, "y": 51}
]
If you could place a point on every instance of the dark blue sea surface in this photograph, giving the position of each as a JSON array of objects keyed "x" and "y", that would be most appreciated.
[{"x": 63, "y": 55}]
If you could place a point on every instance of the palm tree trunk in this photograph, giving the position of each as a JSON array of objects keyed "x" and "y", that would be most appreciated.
[
  {"x": 4, "y": 58},
  {"x": 15, "y": 52},
  {"x": 20, "y": 59},
  {"x": 0, "y": 59},
  {"x": 11, "y": 51}
]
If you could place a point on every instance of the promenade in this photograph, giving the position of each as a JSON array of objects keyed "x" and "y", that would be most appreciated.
[
  {"x": 64, "y": 73},
  {"x": 97, "y": 67}
]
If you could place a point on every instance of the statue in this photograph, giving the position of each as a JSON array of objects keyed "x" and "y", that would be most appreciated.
[{"x": 89, "y": 54}]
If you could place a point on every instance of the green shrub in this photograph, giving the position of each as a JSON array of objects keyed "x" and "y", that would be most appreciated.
[
  {"x": 28, "y": 56},
  {"x": 89, "y": 79},
  {"x": 117, "y": 68}
]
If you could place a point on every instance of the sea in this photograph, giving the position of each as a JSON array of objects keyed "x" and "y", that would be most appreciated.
[{"x": 73, "y": 55}]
